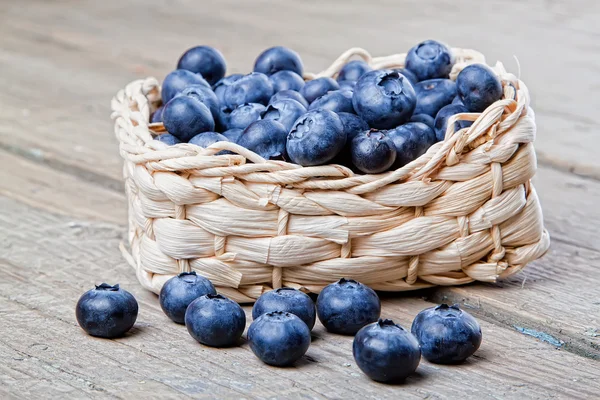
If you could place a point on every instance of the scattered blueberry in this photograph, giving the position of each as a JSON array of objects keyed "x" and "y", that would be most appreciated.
[
  {"x": 441, "y": 120},
  {"x": 178, "y": 80},
  {"x": 289, "y": 94},
  {"x": 353, "y": 70},
  {"x": 251, "y": 88},
  {"x": 215, "y": 320},
  {"x": 346, "y": 306},
  {"x": 279, "y": 338},
  {"x": 286, "y": 80},
  {"x": 157, "y": 115},
  {"x": 266, "y": 138},
  {"x": 386, "y": 352},
  {"x": 204, "y": 95},
  {"x": 336, "y": 101},
  {"x": 233, "y": 134},
  {"x": 106, "y": 311},
  {"x": 204, "y": 60},
  {"x": 384, "y": 99},
  {"x": 478, "y": 87},
  {"x": 287, "y": 300},
  {"x": 285, "y": 111},
  {"x": 411, "y": 140},
  {"x": 447, "y": 334},
  {"x": 205, "y": 139},
  {"x": 317, "y": 88},
  {"x": 184, "y": 117},
  {"x": 316, "y": 138},
  {"x": 278, "y": 58},
  {"x": 167, "y": 139},
  {"x": 457, "y": 100},
  {"x": 424, "y": 118},
  {"x": 347, "y": 85},
  {"x": 433, "y": 94},
  {"x": 178, "y": 292},
  {"x": 220, "y": 87},
  {"x": 412, "y": 78},
  {"x": 372, "y": 152},
  {"x": 429, "y": 60},
  {"x": 244, "y": 115}
]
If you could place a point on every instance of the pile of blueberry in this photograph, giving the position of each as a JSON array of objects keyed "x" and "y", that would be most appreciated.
[
  {"x": 280, "y": 332},
  {"x": 368, "y": 120}
]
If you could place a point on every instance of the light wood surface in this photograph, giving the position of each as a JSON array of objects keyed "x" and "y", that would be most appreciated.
[{"x": 63, "y": 210}]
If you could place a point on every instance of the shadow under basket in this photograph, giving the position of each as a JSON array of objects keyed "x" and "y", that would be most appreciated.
[{"x": 465, "y": 211}]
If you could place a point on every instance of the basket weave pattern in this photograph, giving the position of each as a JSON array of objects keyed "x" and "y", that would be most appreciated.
[{"x": 464, "y": 211}]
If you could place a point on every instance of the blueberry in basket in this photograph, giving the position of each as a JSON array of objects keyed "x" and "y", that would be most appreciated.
[
  {"x": 346, "y": 306},
  {"x": 216, "y": 321},
  {"x": 204, "y": 60},
  {"x": 433, "y": 94},
  {"x": 178, "y": 292},
  {"x": 204, "y": 95},
  {"x": 185, "y": 117},
  {"x": 373, "y": 151},
  {"x": 287, "y": 300},
  {"x": 285, "y": 111},
  {"x": 220, "y": 87},
  {"x": 424, "y": 118},
  {"x": 286, "y": 80},
  {"x": 478, "y": 87},
  {"x": 411, "y": 140},
  {"x": 353, "y": 70},
  {"x": 347, "y": 85},
  {"x": 336, "y": 101},
  {"x": 106, "y": 311},
  {"x": 318, "y": 87},
  {"x": 408, "y": 75},
  {"x": 441, "y": 120},
  {"x": 386, "y": 352},
  {"x": 278, "y": 58},
  {"x": 266, "y": 138},
  {"x": 429, "y": 60},
  {"x": 244, "y": 115},
  {"x": 384, "y": 99},
  {"x": 157, "y": 115},
  {"x": 289, "y": 94},
  {"x": 206, "y": 139},
  {"x": 167, "y": 139},
  {"x": 447, "y": 334},
  {"x": 178, "y": 80},
  {"x": 316, "y": 138},
  {"x": 233, "y": 135},
  {"x": 353, "y": 125},
  {"x": 252, "y": 88},
  {"x": 279, "y": 338}
]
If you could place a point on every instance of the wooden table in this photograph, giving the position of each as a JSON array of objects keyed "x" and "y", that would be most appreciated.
[{"x": 63, "y": 209}]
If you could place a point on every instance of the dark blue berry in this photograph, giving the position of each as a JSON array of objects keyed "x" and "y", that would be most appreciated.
[
  {"x": 287, "y": 300},
  {"x": 204, "y": 60},
  {"x": 266, "y": 138},
  {"x": 205, "y": 139},
  {"x": 441, "y": 120},
  {"x": 411, "y": 140},
  {"x": 178, "y": 80},
  {"x": 106, "y": 311},
  {"x": 279, "y": 338},
  {"x": 185, "y": 117},
  {"x": 167, "y": 139},
  {"x": 244, "y": 115},
  {"x": 285, "y": 111},
  {"x": 429, "y": 60},
  {"x": 386, "y": 352},
  {"x": 447, "y": 334},
  {"x": 317, "y": 88},
  {"x": 372, "y": 152},
  {"x": 353, "y": 125},
  {"x": 203, "y": 94},
  {"x": 278, "y": 58},
  {"x": 408, "y": 75},
  {"x": 336, "y": 101},
  {"x": 178, "y": 292},
  {"x": 478, "y": 87},
  {"x": 353, "y": 70},
  {"x": 157, "y": 115},
  {"x": 457, "y": 100},
  {"x": 233, "y": 134},
  {"x": 221, "y": 85},
  {"x": 286, "y": 80},
  {"x": 216, "y": 321},
  {"x": 434, "y": 94},
  {"x": 346, "y": 306},
  {"x": 424, "y": 118},
  {"x": 289, "y": 94},
  {"x": 251, "y": 88},
  {"x": 347, "y": 85}
]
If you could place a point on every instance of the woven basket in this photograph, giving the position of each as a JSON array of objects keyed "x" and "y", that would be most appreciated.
[{"x": 465, "y": 211}]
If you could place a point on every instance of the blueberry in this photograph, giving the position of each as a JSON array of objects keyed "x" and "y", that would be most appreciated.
[
  {"x": 353, "y": 70},
  {"x": 204, "y": 60},
  {"x": 222, "y": 121},
  {"x": 347, "y": 85},
  {"x": 279, "y": 338},
  {"x": 478, "y": 87},
  {"x": 447, "y": 334},
  {"x": 386, "y": 352},
  {"x": 221, "y": 85},
  {"x": 317, "y": 88},
  {"x": 346, "y": 306},
  {"x": 316, "y": 138},
  {"x": 286, "y": 300},
  {"x": 244, "y": 115},
  {"x": 178, "y": 80},
  {"x": 205, "y": 139},
  {"x": 157, "y": 115},
  {"x": 424, "y": 118},
  {"x": 353, "y": 125},
  {"x": 203, "y": 94},
  {"x": 233, "y": 134},
  {"x": 285, "y": 111},
  {"x": 441, "y": 120},
  {"x": 434, "y": 94},
  {"x": 336, "y": 101},
  {"x": 215, "y": 320},
  {"x": 184, "y": 117},
  {"x": 429, "y": 60},
  {"x": 384, "y": 99},
  {"x": 286, "y": 80},
  {"x": 372, "y": 152},
  {"x": 251, "y": 88},
  {"x": 457, "y": 100},
  {"x": 178, "y": 292},
  {"x": 106, "y": 311},
  {"x": 266, "y": 138},
  {"x": 289, "y": 94},
  {"x": 167, "y": 139},
  {"x": 412, "y": 78},
  {"x": 411, "y": 140},
  {"x": 278, "y": 58}
]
